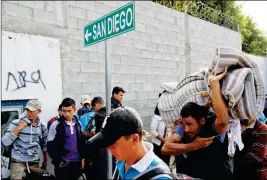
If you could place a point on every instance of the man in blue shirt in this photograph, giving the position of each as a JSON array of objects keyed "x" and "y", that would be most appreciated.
[
  {"x": 121, "y": 134},
  {"x": 200, "y": 140}
]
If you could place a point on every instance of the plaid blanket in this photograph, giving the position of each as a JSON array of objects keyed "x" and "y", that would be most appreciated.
[{"x": 242, "y": 87}]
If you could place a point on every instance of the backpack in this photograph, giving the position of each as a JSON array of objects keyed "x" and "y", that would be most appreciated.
[
  {"x": 53, "y": 120},
  {"x": 6, "y": 151},
  {"x": 149, "y": 173},
  {"x": 86, "y": 118},
  {"x": 153, "y": 173}
]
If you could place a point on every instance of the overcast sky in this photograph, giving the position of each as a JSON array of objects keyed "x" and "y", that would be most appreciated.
[{"x": 258, "y": 11}]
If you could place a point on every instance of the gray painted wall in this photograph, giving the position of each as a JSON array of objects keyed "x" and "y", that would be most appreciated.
[{"x": 262, "y": 65}]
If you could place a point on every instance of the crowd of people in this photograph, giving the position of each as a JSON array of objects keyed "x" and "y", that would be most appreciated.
[{"x": 77, "y": 140}]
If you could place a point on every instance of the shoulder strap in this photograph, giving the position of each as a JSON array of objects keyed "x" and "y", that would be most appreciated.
[
  {"x": 53, "y": 119},
  {"x": 79, "y": 113},
  {"x": 116, "y": 175},
  {"x": 154, "y": 172}
]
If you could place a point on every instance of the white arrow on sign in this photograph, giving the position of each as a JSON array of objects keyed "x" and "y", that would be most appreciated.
[{"x": 87, "y": 34}]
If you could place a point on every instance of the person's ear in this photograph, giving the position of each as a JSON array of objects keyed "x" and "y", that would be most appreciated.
[
  {"x": 202, "y": 121},
  {"x": 40, "y": 110},
  {"x": 135, "y": 138}
]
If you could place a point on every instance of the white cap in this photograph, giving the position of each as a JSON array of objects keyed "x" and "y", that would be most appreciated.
[
  {"x": 33, "y": 105},
  {"x": 86, "y": 99}
]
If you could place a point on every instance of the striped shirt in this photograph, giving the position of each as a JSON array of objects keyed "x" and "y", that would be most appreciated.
[
  {"x": 251, "y": 162},
  {"x": 28, "y": 143}
]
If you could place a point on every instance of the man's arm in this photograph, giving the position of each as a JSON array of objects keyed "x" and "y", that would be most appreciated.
[
  {"x": 52, "y": 143},
  {"x": 153, "y": 129},
  {"x": 12, "y": 132},
  {"x": 221, "y": 122},
  {"x": 173, "y": 145},
  {"x": 43, "y": 144}
]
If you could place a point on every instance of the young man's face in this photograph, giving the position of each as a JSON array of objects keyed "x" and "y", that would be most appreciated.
[
  {"x": 87, "y": 105},
  {"x": 68, "y": 112},
  {"x": 191, "y": 127},
  {"x": 118, "y": 96},
  {"x": 32, "y": 115},
  {"x": 124, "y": 148}
]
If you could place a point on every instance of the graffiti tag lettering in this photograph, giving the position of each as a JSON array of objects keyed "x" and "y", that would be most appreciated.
[{"x": 22, "y": 81}]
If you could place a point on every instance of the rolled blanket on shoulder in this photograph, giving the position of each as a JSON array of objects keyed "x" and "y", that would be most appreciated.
[{"x": 242, "y": 87}]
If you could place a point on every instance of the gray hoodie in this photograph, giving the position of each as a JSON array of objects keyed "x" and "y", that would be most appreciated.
[{"x": 30, "y": 140}]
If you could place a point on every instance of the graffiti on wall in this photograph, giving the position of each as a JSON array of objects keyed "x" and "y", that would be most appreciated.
[
  {"x": 27, "y": 72},
  {"x": 22, "y": 79}
]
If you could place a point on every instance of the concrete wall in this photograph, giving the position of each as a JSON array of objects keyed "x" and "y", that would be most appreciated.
[
  {"x": 262, "y": 65},
  {"x": 155, "y": 52}
]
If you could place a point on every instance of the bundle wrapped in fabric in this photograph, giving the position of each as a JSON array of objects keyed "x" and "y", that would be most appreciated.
[{"x": 242, "y": 87}]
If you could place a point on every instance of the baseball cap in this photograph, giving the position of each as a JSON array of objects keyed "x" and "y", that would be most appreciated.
[
  {"x": 33, "y": 105},
  {"x": 86, "y": 99},
  {"x": 122, "y": 121}
]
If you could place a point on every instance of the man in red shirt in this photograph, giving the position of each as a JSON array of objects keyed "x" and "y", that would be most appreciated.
[{"x": 251, "y": 162}]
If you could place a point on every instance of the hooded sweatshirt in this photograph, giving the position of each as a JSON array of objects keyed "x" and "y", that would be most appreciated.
[{"x": 28, "y": 143}]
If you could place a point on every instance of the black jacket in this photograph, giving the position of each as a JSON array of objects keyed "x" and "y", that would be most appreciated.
[
  {"x": 55, "y": 147},
  {"x": 115, "y": 104},
  {"x": 99, "y": 118}
]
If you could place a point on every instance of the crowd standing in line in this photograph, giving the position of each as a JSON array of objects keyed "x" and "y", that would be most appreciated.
[{"x": 79, "y": 142}]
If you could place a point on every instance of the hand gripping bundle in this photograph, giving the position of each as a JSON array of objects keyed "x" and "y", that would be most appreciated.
[{"x": 242, "y": 87}]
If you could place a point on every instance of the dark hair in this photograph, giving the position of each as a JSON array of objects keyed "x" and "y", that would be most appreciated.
[
  {"x": 117, "y": 89},
  {"x": 141, "y": 134},
  {"x": 59, "y": 107},
  {"x": 68, "y": 102},
  {"x": 97, "y": 100},
  {"x": 195, "y": 111},
  {"x": 156, "y": 111}
]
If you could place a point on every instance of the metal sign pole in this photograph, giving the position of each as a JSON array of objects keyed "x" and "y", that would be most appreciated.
[
  {"x": 108, "y": 102},
  {"x": 91, "y": 36}
]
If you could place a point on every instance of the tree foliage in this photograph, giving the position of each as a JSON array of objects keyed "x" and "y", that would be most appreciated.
[{"x": 227, "y": 14}]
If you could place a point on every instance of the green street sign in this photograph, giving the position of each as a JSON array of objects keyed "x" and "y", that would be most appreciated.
[{"x": 120, "y": 21}]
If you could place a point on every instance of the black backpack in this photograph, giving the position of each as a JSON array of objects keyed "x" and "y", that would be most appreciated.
[
  {"x": 149, "y": 173},
  {"x": 156, "y": 172},
  {"x": 6, "y": 151}
]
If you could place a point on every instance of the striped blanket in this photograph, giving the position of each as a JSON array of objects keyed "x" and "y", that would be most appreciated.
[{"x": 242, "y": 87}]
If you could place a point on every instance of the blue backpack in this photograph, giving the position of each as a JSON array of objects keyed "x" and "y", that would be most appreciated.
[{"x": 85, "y": 117}]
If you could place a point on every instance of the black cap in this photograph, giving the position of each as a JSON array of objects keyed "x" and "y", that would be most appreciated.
[{"x": 122, "y": 121}]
